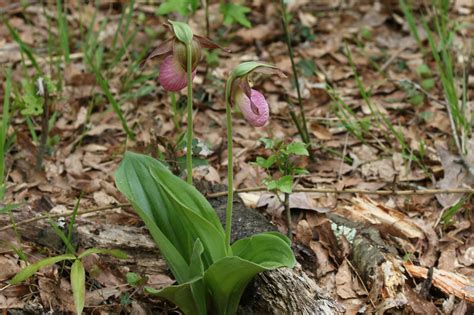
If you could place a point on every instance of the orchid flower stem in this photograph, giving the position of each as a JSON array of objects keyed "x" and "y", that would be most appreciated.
[
  {"x": 189, "y": 142},
  {"x": 230, "y": 166},
  {"x": 174, "y": 109}
]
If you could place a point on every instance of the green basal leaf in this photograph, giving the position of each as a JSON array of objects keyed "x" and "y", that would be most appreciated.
[
  {"x": 285, "y": 184},
  {"x": 78, "y": 285},
  {"x": 297, "y": 148},
  {"x": 33, "y": 268},
  {"x": 181, "y": 295},
  {"x": 114, "y": 252},
  {"x": 133, "y": 179},
  {"x": 227, "y": 279},
  {"x": 174, "y": 211},
  {"x": 182, "y": 31},
  {"x": 197, "y": 270},
  {"x": 194, "y": 222},
  {"x": 269, "y": 249}
]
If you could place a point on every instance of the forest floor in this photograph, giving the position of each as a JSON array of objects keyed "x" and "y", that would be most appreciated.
[{"x": 377, "y": 118}]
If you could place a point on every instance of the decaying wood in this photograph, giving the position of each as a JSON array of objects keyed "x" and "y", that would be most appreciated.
[
  {"x": 380, "y": 270},
  {"x": 448, "y": 282},
  {"x": 287, "y": 291},
  {"x": 397, "y": 223}
]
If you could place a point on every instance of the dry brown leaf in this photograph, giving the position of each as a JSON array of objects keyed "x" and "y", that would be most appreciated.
[
  {"x": 8, "y": 267},
  {"x": 304, "y": 232},
  {"x": 298, "y": 200},
  {"x": 345, "y": 281},
  {"x": 324, "y": 265},
  {"x": 455, "y": 176},
  {"x": 418, "y": 304}
]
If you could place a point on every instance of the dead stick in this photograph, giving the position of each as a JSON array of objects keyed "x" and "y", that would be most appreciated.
[
  {"x": 358, "y": 191},
  {"x": 47, "y": 216}
]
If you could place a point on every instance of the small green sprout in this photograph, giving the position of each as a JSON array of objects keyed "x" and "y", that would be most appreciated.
[{"x": 281, "y": 168}]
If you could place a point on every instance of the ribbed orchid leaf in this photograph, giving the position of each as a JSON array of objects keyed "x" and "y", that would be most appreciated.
[
  {"x": 174, "y": 211},
  {"x": 181, "y": 295}
]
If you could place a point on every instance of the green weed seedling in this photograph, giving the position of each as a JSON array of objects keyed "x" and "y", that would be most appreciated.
[
  {"x": 77, "y": 273},
  {"x": 281, "y": 168},
  {"x": 34, "y": 99}
]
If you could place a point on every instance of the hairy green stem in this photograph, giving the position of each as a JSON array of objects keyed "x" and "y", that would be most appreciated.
[
  {"x": 189, "y": 142},
  {"x": 287, "y": 205},
  {"x": 174, "y": 109},
  {"x": 305, "y": 134},
  {"x": 230, "y": 166}
]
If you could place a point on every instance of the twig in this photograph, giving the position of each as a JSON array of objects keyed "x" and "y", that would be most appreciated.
[
  {"x": 360, "y": 280},
  {"x": 392, "y": 58},
  {"x": 48, "y": 216},
  {"x": 357, "y": 191},
  {"x": 5, "y": 287}
]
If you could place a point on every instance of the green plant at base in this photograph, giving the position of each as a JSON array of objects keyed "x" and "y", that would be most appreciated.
[
  {"x": 281, "y": 161},
  {"x": 78, "y": 275},
  {"x": 211, "y": 275}
]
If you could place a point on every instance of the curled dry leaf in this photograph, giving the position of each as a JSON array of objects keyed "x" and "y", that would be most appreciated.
[{"x": 298, "y": 200}]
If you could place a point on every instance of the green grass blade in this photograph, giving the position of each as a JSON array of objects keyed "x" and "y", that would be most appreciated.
[
  {"x": 63, "y": 32},
  {"x": 104, "y": 85},
  {"x": 23, "y": 46},
  {"x": 4, "y": 130}
]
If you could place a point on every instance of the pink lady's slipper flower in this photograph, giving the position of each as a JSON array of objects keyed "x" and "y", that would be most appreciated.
[
  {"x": 173, "y": 75},
  {"x": 251, "y": 102}
]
